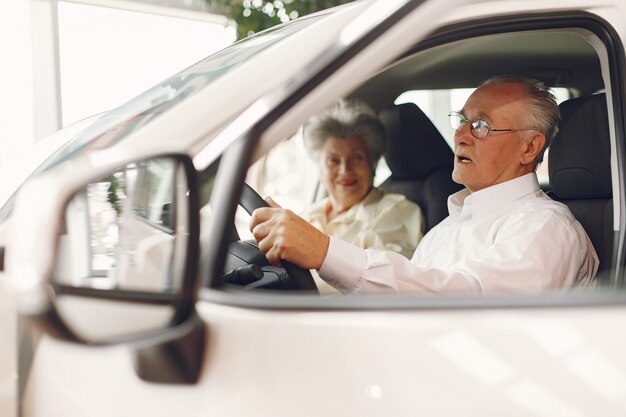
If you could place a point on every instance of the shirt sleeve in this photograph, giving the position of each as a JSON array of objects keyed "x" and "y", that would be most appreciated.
[{"x": 351, "y": 269}]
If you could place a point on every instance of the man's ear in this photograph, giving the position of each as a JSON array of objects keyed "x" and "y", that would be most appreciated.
[{"x": 531, "y": 148}]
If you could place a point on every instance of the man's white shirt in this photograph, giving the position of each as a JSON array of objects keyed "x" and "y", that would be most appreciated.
[{"x": 510, "y": 237}]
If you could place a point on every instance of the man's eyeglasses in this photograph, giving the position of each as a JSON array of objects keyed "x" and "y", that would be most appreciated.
[{"x": 479, "y": 128}]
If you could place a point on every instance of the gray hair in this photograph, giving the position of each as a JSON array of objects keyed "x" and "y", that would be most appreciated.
[
  {"x": 544, "y": 112},
  {"x": 345, "y": 119}
]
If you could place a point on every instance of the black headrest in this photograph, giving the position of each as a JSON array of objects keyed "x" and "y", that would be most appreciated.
[
  {"x": 415, "y": 147},
  {"x": 579, "y": 157}
]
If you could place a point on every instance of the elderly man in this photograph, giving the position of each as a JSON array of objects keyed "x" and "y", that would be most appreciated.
[{"x": 503, "y": 234}]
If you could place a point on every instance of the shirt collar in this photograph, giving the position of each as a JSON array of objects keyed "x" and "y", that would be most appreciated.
[
  {"x": 485, "y": 201},
  {"x": 359, "y": 211},
  {"x": 356, "y": 212}
]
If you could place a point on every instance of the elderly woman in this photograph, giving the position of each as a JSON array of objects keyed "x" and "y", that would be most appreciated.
[{"x": 347, "y": 140}]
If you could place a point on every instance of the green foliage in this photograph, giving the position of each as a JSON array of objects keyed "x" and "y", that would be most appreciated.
[
  {"x": 113, "y": 193},
  {"x": 253, "y": 16}
]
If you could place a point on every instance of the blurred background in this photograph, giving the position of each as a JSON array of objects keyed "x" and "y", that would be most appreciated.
[{"x": 66, "y": 60}]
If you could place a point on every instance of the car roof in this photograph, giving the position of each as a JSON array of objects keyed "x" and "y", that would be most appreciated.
[{"x": 558, "y": 57}]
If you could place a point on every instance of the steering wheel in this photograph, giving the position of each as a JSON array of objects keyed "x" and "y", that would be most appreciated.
[{"x": 296, "y": 278}]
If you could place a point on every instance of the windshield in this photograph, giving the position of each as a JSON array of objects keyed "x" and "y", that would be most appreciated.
[
  {"x": 117, "y": 124},
  {"x": 120, "y": 122}
]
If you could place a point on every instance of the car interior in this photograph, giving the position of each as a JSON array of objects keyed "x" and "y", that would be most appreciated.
[
  {"x": 420, "y": 161},
  {"x": 582, "y": 178},
  {"x": 419, "y": 158}
]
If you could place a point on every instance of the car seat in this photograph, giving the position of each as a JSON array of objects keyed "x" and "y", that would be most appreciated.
[
  {"x": 420, "y": 160},
  {"x": 580, "y": 171}
]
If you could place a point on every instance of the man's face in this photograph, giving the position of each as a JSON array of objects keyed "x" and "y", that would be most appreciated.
[{"x": 480, "y": 163}]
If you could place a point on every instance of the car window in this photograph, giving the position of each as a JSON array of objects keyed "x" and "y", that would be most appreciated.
[
  {"x": 289, "y": 175},
  {"x": 120, "y": 122}
]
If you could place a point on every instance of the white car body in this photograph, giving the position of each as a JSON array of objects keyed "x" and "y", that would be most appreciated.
[{"x": 280, "y": 355}]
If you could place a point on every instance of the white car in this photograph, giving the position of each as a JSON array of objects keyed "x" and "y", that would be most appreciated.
[{"x": 123, "y": 248}]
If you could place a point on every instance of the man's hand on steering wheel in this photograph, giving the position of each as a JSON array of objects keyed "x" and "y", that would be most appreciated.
[
  {"x": 299, "y": 276},
  {"x": 282, "y": 235}
]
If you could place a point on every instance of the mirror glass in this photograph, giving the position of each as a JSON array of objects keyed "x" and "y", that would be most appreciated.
[{"x": 128, "y": 230}]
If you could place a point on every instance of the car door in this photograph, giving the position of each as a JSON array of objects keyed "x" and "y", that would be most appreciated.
[
  {"x": 490, "y": 356},
  {"x": 516, "y": 356}
]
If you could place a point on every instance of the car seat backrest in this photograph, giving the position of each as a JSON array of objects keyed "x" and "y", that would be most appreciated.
[
  {"x": 580, "y": 170},
  {"x": 420, "y": 161}
]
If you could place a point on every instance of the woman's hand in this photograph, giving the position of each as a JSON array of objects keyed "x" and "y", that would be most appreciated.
[{"x": 282, "y": 235}]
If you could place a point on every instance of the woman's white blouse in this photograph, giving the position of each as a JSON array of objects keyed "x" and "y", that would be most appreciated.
[{"x": 380, "y": 221}]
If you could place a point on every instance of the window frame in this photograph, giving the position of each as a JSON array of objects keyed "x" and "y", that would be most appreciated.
[{"x": 241, "y": 151}]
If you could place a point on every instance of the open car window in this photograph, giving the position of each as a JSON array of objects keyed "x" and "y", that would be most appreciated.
[{"x": 429, "y": 78}]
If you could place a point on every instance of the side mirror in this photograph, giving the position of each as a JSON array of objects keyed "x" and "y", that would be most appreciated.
[{"x": 126, "y": 254}]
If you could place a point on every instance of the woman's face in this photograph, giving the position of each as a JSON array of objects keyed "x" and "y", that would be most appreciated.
[{"x": 345, "y": 171}]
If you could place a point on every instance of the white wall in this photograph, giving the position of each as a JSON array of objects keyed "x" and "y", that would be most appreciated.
[
  {"x": 16, "y": 125},
  {"x": 108, "y": 56},
  {"x": 16, "y": 89}
]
